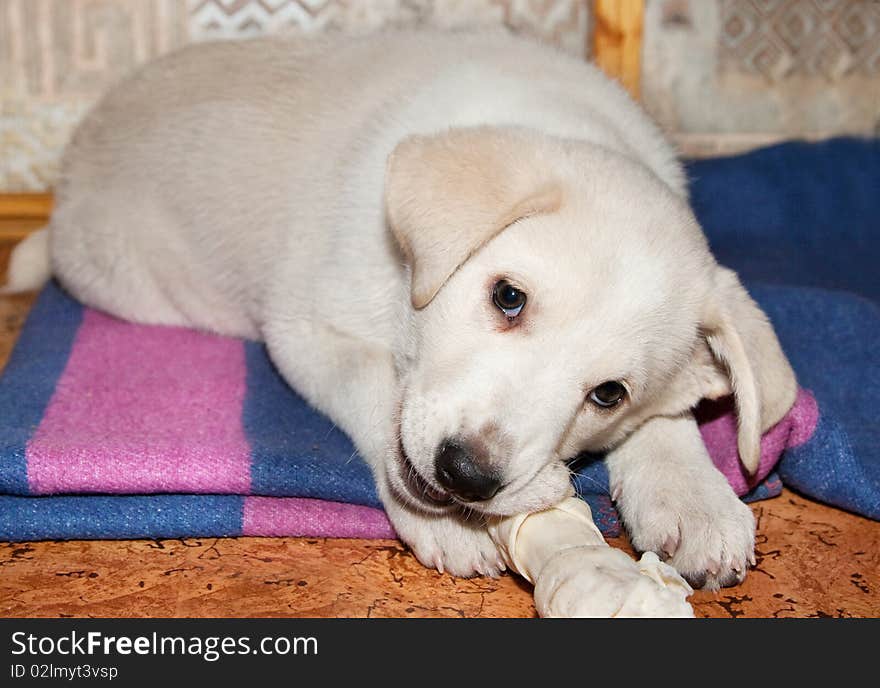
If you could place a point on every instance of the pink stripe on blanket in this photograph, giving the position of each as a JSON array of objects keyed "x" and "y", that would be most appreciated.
[
  {"x": 719, "y": 434},
  {"x": 144, "y": 409},
  {"x": 295, "y": 517}
]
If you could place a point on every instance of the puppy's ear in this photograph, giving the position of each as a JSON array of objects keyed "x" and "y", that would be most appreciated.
[
  {"x": 742, "y": 338},
  {"x": 447, "y": 195},
  {"x": 739, "y": 353}
]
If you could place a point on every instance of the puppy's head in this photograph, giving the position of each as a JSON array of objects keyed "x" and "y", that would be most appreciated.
[{"x": 562, "y": 295}]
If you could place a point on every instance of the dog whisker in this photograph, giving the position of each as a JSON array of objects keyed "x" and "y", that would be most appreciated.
[{"x": 592, "y": 480}]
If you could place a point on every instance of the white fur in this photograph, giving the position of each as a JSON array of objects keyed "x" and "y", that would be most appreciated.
[{"x": 242, "y": 188}]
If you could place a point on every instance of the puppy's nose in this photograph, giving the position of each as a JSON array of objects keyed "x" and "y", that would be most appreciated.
[{"x": 457, "y": 471}]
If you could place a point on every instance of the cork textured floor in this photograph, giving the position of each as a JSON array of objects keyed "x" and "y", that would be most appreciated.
[{"x": 812, "y": 561}]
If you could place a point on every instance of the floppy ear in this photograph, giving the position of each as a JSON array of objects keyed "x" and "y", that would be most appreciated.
[
  {"x": 742, "y": 338},
  {"x": 448, "y": 194},
  {"x": 739, "y": 353}
]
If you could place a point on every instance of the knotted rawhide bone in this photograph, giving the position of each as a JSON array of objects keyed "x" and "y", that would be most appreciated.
[{"x": 577, "y": 574}]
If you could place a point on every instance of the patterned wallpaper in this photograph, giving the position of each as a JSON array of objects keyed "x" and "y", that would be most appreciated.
[
  {"x": 719, "y": 75},
  {"x": 828, "y": 40},
  {"x": 727, "y": 75},
  {"x": 58, "y": 56}
]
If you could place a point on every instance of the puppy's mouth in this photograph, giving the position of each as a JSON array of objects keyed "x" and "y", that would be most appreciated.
[{"x": 420, "y": 488}]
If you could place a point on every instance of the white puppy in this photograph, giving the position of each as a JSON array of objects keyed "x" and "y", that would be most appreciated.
[{"x": 473, "y": 253}]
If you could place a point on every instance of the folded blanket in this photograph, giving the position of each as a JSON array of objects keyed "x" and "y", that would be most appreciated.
[
  {"x": 177, "y": 432},
  {"x": 114, "y": 430},
  {"x": 805, "y": 214}
]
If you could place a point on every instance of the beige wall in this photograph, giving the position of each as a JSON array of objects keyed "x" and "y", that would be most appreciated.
[{"x": 724, "y": 75}]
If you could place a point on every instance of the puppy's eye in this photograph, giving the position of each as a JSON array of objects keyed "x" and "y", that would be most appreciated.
[
  {"x": 508, "y": 298},
  {"x": 608, "y": 394}
]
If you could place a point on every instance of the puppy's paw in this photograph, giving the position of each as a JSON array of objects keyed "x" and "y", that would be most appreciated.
[
  {"x": 449, "y": 543},
  {"x": 704, "y": 530}
]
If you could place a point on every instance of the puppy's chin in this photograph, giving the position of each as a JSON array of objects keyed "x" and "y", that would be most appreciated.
[{"x": 550, "y": 486}]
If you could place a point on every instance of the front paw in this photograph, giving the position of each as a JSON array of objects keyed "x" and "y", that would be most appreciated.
[
  {"x": 448, "y": 542},
  {"x": 704, "y": 530}
]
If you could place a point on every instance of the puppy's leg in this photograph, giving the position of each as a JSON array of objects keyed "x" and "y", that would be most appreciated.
[
  {"x": 676, "y": 503},
  {"x": 356, "y": 385}
]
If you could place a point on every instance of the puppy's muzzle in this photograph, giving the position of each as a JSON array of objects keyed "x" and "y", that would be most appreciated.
[{"x": 461, "y": 473}]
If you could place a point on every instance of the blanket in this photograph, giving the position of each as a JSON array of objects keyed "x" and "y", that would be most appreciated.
[{"x": 115, "y": 430}]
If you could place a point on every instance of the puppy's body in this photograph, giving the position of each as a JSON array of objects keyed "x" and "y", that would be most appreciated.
[
  {"x": 271, "y": 154},
  {"x": 246, "y": 188}
]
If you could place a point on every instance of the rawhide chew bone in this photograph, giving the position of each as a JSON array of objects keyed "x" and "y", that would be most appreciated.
[{"x": 576, "y": 573}]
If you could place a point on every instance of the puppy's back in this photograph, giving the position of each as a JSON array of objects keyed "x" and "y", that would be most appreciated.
[{"x": 192, "y": 180}]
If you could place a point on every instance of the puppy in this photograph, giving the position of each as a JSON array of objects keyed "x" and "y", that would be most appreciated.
[{"x": 473, "y": 253}]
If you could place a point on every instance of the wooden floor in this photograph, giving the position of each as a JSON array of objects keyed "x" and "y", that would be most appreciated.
[{"x": 813, "y": 561}]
